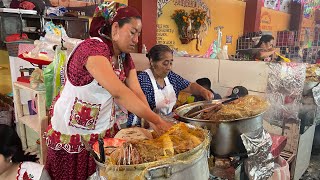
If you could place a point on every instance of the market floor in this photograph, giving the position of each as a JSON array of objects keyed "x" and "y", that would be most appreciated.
[
  {"x": 313, "y": 171},
  {"x": 5, "y": 77}
]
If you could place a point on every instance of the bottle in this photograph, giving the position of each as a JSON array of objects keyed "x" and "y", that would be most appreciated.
[{"x": 144, "y": 49}]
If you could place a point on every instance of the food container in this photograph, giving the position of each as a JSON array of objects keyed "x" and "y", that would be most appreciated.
[
  {"x": 226, "y": 140},
  {"x": 185, "y": 166}
]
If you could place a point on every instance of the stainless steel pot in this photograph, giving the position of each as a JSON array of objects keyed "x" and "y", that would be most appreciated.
[
  {"x": 185, "y": 166},
  {"x": 226, "y": 140}
]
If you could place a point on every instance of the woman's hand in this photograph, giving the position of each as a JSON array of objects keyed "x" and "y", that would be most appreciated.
[
  {"x": 206, "y": 94},
  {"x": 161, "y": 126}
]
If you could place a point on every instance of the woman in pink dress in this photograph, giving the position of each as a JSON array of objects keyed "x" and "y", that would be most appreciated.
[{"x": 101, "y": 86}]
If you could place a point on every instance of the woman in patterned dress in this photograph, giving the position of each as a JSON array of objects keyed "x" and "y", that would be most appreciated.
[
  {"x": 101, "y": 84},
  {"x": 14, "y": 163},
  {"x": 161, "y": 86}
]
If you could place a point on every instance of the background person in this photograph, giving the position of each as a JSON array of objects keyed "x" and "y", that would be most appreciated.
[
  {"x": 161, "y": 86},
  {"x": 14, "y": 163}
]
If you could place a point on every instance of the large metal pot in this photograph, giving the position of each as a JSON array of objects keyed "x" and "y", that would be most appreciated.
[
  {"x": 185, "y": 166},
  {"x": 226, "y": 140}
]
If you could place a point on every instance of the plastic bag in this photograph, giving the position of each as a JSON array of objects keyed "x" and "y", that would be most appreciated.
[
  {"x": 281, "y": 171},
  {"x": 48, "y": 74},
  {"x": 59, "y": 71},
  {"x": 54, "y": 75},
  {"x": 37, "y": 80}
]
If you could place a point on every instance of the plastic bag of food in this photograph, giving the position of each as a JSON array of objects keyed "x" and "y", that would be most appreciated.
[{"x": 37, "y": 80}]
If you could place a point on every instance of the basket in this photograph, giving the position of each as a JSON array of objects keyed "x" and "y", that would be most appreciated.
[{"x": 13, "y": 47}]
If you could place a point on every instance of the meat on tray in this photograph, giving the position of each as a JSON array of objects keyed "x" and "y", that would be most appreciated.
[{"x": 243, "y": 107}]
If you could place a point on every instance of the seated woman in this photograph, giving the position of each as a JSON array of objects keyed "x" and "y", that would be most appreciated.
[
  {"x": 266, "y": 49},
  {"x": 14, "y": 163},
  {"x": 161, "y": 86}
]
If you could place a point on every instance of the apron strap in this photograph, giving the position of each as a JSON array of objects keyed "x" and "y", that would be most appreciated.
[{"x": 153, "y": 80}]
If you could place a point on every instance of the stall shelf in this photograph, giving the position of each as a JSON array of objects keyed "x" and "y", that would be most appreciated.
[{"x": 37, "y": 123}]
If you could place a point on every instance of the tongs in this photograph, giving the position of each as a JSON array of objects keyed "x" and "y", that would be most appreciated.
[
  {"x": 213, "y": 107},
  {"x": 102, "y": 157}
]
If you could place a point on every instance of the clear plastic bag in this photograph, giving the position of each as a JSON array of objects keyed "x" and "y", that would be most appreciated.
[{"x": 281, "y": 170}]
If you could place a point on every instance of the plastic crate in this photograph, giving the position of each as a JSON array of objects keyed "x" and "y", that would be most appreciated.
[{"x": 13, "y": 47}]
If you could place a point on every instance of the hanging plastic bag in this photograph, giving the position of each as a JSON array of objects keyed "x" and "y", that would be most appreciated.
[
  {"x": 59, "y": 71},
  {"x": 54, "y": 75},
  {"x": 48, "y": 74}
]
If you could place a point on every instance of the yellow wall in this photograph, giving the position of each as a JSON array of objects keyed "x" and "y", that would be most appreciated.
[
  {"x": 272, "y": 20},
  {"x": 227, "y": 13}
]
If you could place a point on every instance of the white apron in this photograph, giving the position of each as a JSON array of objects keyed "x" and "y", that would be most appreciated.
[
  {"x": 165, "y": 98},
  {"x": 82, "y": 112}
]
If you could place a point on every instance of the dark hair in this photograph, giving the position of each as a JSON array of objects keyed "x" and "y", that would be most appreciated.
[
  {"x": 10, "y": 145},
  {"x": 264, "y": 39},
  {"x": 106, "y": 29},
  {"x": 156, "y": 52},
  {"x": 204, "y": 82}
]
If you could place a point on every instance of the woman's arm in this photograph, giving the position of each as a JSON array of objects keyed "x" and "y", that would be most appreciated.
[
  {"x": 100, "y": 68},
  {"x": 265, "y": 54},
  {"x": 196, "y": 89},
  {"x": 133, "y": 83}
]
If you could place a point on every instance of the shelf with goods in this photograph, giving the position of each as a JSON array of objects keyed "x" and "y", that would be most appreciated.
[
  {"x": 13, "y": 23},
  {"x": 37, "y": 123}
]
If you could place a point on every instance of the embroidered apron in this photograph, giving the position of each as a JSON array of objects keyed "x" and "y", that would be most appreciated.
[{"x": 83, "y": 112}]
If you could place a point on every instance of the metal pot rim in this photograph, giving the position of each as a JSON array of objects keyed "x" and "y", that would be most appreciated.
[
  {"x": 201, "y": 146},
  {"x": 199, "y": 103}
]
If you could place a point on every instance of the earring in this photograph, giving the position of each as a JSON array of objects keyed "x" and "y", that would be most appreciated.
[{"x": 10, "y": 161}]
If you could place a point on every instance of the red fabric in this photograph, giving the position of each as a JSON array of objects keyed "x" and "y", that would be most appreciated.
[
  {"x": 76, "y": 70},
  {"x": 27, "y": 5},
  {"x": 278, "y": 144},
  {"x": 16, "y": 37},
  {"x": 98, "y": 22},
  {"x": 124, "y": 12},
  {"x": 62, "y": 165}
]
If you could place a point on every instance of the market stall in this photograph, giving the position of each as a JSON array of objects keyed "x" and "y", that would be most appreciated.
[{"x": 211, "y": 139}]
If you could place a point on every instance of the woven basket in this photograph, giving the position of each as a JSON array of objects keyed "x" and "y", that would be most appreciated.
[{"x": 13, "y": 47}]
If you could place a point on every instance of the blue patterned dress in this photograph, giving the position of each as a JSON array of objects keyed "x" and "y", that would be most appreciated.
[{"x": 177, "y": 82}]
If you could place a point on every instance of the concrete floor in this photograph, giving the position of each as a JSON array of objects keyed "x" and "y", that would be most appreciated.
[
  {"x": 313, "y": 171},
  {"x": 5, "y": 77}
]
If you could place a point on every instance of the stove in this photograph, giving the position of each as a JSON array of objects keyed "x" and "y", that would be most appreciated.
[{"x": 226, "y": 168}]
